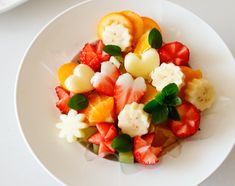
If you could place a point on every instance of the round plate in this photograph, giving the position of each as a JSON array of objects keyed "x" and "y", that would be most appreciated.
[{"x": 59, "y": 41}]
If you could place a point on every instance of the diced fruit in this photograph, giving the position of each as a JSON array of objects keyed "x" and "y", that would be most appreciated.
[
  {"x": 95, "y": 148},
  {"x": 150, "y": 93},
  {"x": 93, "y": 55},
  {"x": 174, "y": 52},
  {"x": 200, "y": 93},
  {"x": 189, "y": 123},
  {"x": 144, "y": 153},
  {"x": 79, "y": 82},
  {"x": 143, "y": 44},
  {"x": 106, "y": 133},
  {"x": 87, "y": 132},
  {"x": 65, "y": 71},
  {"x": 64, "y": 97},
  {"x": 127, "y": 90},
  {"x": 149, "y": 24},
  {"x": 105, "y": 80},
  {"x": 126, "y": 157},
  {"x": 143, "y": 65},
  {"x": 137, "y": 22},
  {"x": 100, "y": 109}
]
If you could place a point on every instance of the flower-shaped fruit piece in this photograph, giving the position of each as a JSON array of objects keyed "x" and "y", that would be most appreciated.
[
  {"x": 128, "y": 90},
  {"x": 144, "y": 152},
  {"x": 105, "y": 80},
  {"x": 93, "y": 55},
  {"x": 100, "y": 109},
  {"x": 71, "y": 126},
  {"x": 104, "y": 137},
  {"x": 79, "y": 82},
  {"x": 64, "y": 97},
  {"x": 142, "y": 65}
]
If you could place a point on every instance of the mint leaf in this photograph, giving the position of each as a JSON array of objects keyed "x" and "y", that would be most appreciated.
[
  {"x": 160, "y": 98},
  {"x": 160, "y": 114},
  {"x": 171, "y": 90},
  {"x": 113, "y": 50},
  {"x": 122, "y": 143},
  {"x": 78, "y": 102},
  {"x": 150, "y": 106},
  {"x": 174, "y": 101},
  {"x": 155, "y": 38},
  {"x": 173, "y": 113}
]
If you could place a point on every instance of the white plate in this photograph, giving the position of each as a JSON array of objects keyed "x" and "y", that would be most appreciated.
[
  {"x": 61, "y": 39},
  {"x": 6, "y": 5}
]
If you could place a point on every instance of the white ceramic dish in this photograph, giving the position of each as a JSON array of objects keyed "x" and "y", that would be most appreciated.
[
  {"x": 60, "y": 40},
  {"x": 6, "y": 5}
]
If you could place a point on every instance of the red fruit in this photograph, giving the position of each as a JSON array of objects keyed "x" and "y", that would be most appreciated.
[
  {"x": 93, "y": 55},
  {"x": 189, "y": 123},
  {"x": 127, "y": 90},
  {"x": 144, "y": 153},
  {"x": 174, "y": 52},
  {"x": 105, "y": 80},
  {"x": 104, "y": 137},
  {"x": 64, "y": 97}
]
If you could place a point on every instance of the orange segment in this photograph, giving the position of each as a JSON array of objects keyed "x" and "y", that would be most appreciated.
[
  {"x": 100, "y": 109},
  {"x": 150, "y": 24},
  {"x": 137, "y": 22},
  {"x": 143, "y": 44},
  {"x": 65, "y": 71},
  {"x": 190, "y": 74},
  {"x": 117, "y": 18},
  {"x": 150, "y": 93}
]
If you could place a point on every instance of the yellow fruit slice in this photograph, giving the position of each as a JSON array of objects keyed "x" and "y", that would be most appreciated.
[
  {"x": 150, "y": 93},
  {"x": 65, "y": 71},
  {"x": 150, "y": 24},
  {"x": 143, "y": 44},
  {"x": 111, "y": 18},
  {"x": 137, "y": 23}
]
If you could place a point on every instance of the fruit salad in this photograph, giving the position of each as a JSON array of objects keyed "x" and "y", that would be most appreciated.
[{"x": 131, "y": 94}]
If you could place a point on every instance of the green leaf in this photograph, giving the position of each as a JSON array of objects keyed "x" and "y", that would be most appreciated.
[
  {"x": 160, "y": 114},
  {"x": 171, "y": 90},
  {"x": 173, "y": 113},
  {"x": 155, "y": 38},
  {"x": 160, "y": 98},
  {"x": 174, "y": 101},
  {"x": 122, "y": 143},
  {"x": 150, "y": 106},
  {"x": 113, "y": 50},
  {"x": 78, "y": 102}
]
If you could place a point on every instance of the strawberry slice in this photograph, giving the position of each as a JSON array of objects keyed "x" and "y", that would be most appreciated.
[
  {"x": 104, "y": 137},
  {"x": 127, "y": 90},
  {"x": 174, "y": 52},
  {"x": 144, "y": 153},
  {"x": 189, "y": 123},
  {"x": 93, "y": 55},
  {"x": 64, "y": 97},
  {"x": 105, "y": 80}
]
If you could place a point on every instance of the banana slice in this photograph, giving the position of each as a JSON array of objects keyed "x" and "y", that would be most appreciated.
[
  {"x": 117, "y": 34},
  {"x": 166, "y": 74},
  {"x": 200, "y": 93},
  {"x": 133, "y": 121}
]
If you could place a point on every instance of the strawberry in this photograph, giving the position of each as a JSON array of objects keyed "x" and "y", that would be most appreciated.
[
  {"x": 174, "y": 52},
  {"x": 189, "y": 123},
  {"x": 144, "y": 153},
  {"x": 127, "y": 90},
  {"x": 104, "y": 137},
  {"x": 105, "y": 80},
  {"x": 93, "y": 55},
  {"x": 64, "y": 97}
]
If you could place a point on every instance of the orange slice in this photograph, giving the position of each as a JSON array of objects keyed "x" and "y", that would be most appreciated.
[
  {"x": 150, "y": 24},
  {"x": 150, "y": 93},
  {"x": 143, "y": 44}
]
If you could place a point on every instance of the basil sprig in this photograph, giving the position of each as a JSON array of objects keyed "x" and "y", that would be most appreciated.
[
  {"x": 78, "y": 102},
  {"x": 155, "y": 38},
  {"x": 113, "y": 50},
  {"x": 163, "y": 106}
]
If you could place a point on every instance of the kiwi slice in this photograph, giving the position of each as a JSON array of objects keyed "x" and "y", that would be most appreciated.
[
  {"x": 87, "y": 133},
  {"x": 126, "y": 157}
]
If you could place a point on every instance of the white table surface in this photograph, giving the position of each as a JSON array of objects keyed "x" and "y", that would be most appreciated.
[{"x": 18, "y": 27}]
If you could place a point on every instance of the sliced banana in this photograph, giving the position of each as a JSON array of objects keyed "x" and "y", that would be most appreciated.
[
  {"x": 200, "y": 93},
  {"x": 166, "y": 74},
  {"x": 117, "y": 34},
  {"x": 133, "y": 121}
]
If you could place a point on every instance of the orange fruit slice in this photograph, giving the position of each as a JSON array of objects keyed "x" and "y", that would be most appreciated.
[
  {"x": 116, "y": 18},
  {"x": 100, "y": 109},
  {"x": 143, "y": 44},
  {"x": 137, "y": 22},
  {"x": 65, "y": 71},
  {"x": 150, "y": 93},
  {"x": 150, "y": 24}
]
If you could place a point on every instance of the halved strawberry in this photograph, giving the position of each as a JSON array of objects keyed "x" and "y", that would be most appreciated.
[
  {"x": 104, "y": 137},
  {"x": 64, "y": 97},
  {"x": 174, "y": 52},
  {"x": 189, "y": 123},
  {"x": 105, "y": 80},
  {"x": 144, "y": 153},
  {"x": 127, "y": 90},
  {"x": 93, "y": 55}
]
